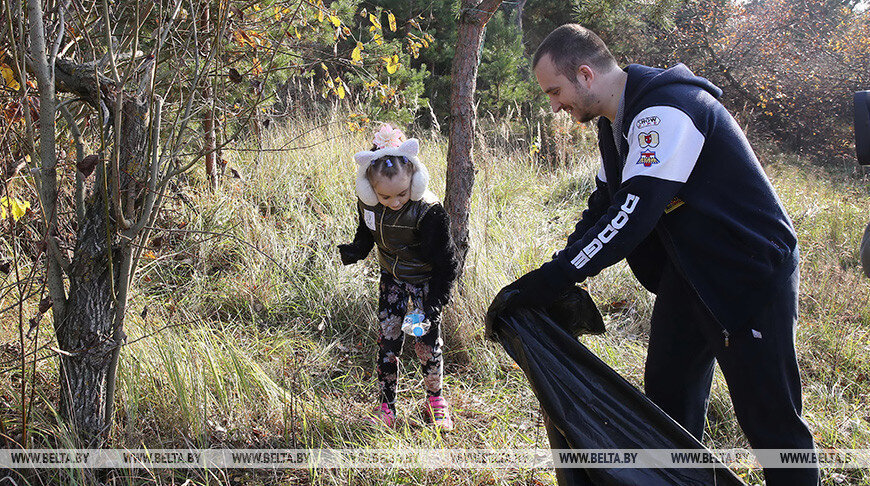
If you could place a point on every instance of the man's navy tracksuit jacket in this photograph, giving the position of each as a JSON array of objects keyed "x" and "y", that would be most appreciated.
[{"x": 691, "y": 209}]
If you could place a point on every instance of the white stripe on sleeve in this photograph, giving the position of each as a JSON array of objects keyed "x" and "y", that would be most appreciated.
[
  {"x": 601, "y": 175},
  {"x": 662, "y": 143}
]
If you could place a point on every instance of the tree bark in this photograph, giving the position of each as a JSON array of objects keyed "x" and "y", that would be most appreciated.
[
  {"x": 91, "y": 330},
  {"x": 208, "y": 125},
  {"x": 521, "y": 5},
  {"x": 88, "y": 325},
  {"x": 209, "y": 145},
  {"x": 460, "y": 164}
]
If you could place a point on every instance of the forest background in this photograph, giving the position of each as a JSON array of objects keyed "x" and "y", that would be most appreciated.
[{"x": 177, "y": 174}]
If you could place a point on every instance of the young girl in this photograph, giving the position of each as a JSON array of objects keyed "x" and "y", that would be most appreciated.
[{"x": 417, "y": 259}]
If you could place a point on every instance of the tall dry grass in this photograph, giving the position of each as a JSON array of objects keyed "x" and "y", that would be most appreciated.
[{"x": 244, "y": 329}]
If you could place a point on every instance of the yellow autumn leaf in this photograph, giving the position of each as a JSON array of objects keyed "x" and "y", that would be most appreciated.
[
  {"x": 240, "y": 37},
  {"x": 257, "y": 7},
  {"x": 392, "y": 19},
  {"x": 356, "y": 55},
  {"x": 277, "y": 13},
  {"x": 375, "y": 22},
  {"x": 19, "y": 208},
  {"x": 392, "y": 63},
  {"x": 257, "y": 68},
  {"x": 340, "y": 91},
  {"x": 379, "y": 39},
  {"x": 335, "y": 20},
  {"x": 298, "y": 35},
  {"x": 15, "y": 206},
  {"x": 9, "y": 77}
]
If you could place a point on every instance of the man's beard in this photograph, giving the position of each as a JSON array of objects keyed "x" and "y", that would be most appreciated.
[{"x": 585, "y": 98}]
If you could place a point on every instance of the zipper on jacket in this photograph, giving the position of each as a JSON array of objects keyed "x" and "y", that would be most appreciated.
[
  {"x": 383, "y": 241},
  {"x": 726, "y": 336}
]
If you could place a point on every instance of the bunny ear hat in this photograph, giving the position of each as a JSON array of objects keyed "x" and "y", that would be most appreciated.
[{"x": 408, "y": 149}]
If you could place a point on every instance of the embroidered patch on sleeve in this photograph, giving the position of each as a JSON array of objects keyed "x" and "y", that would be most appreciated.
[
  {"x": 648, "y": 158},
  {"x": 650, "y": 139},
  {"x": 648, "y": 121},
  {"x": 663, "y": 143}
]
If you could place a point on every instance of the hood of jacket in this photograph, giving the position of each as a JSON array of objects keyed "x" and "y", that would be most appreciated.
[{"x": 644, "y": 79}]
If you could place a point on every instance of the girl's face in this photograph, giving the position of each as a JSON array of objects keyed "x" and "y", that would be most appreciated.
[{"x": 393, "y": 192}]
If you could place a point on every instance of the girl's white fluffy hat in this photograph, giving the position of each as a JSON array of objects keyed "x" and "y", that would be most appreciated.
[{"x": 390, "y": 141}]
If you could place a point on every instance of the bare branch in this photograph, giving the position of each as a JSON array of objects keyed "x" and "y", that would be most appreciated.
[
  {"x": 55, "y": 48},
  {"x": 47, "y": 175},
  {"x": 80, "y": 179}
]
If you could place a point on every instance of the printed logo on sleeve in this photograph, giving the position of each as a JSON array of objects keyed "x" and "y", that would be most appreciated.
[
  {"x": 369, "y": 217},
  {"x": 648, "y": 121},
  {"x": 608, "y": 233}
]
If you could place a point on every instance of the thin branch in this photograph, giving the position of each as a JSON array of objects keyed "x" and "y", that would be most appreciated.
[
  {"x": 55, "y": 48},
  {"x": 224, "y": 13},
  {"x": 110, "y": 50},
  {"x": 80, "y": 178},
  {"x": 47, "y": 148}
]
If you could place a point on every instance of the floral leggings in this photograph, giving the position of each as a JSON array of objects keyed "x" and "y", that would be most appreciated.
[{"x": 392, "y": 306}]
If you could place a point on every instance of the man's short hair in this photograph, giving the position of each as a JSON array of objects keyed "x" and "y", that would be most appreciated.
[{"x": 572, "y": 45}]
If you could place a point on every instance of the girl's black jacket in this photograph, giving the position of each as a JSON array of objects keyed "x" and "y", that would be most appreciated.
[{"x": 436, "y": 248}]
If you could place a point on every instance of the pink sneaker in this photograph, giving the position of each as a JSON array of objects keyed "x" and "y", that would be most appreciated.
[
  {"x": 437, "y": 411},
  {"x": 383, "y": 415}
]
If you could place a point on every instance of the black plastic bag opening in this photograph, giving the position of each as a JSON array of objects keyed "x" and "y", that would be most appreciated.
[{"x": 587, "y": 405}]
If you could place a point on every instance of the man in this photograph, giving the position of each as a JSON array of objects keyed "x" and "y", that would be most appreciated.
[{"x": 681, "y": 195}]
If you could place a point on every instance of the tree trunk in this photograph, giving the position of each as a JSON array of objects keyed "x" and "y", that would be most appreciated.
[
  {"x": 86, "y": 333},
  {"x": 208, "y": 125},
  {"x": 90, "y": 333},
  {"x": 209, "y": 145},
  {"x": 460, "y": 165},
  {"x": 521, "y": 4}
]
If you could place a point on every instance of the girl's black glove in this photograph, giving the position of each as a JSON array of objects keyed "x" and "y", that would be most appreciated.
[
  {"x": 438, "y": 295},
  {"x": 350, "y": 253}
]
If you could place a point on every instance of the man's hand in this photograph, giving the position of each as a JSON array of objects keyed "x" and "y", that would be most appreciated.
[
  {"x": 537, "y": 288},
  {"x": 349, "y": 253}
]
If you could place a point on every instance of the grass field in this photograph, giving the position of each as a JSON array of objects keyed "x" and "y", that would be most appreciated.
[{"x": 244, "y": 330}]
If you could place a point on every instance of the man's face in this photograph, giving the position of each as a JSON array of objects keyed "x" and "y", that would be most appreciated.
[{"x": 565, "y": 94}]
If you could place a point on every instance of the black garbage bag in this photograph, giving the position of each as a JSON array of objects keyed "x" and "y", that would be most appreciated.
[{"x": 586, "y": 404}]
